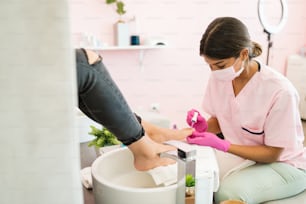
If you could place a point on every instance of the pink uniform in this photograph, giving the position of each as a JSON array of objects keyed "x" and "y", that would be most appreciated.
[{"x": 265, "y": 112}]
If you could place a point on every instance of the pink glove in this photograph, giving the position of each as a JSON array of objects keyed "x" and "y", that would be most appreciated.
[
  {"x": 200, "y": 125},
  {"x": 208, "y": 139}
]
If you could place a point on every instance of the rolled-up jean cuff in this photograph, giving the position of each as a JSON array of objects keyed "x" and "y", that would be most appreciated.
[
  {"x": 138, "y": 118},
  {"x": 134, "y": 139}
]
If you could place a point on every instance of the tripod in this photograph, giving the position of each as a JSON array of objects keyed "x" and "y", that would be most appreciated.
[{"x": 270, "y": 43}]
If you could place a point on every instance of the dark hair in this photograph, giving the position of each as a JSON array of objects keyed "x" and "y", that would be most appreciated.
[{"x": 225, "y": 37}]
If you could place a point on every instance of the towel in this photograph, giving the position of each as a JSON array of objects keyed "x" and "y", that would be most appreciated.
[
  {"x": 86, "y": 177},
  {"x": 164, "y": 175},
  {"x": 207, "y": 164}
]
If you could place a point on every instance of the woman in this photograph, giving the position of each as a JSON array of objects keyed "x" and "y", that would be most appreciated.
[
  {"x": 256, "y": 110},
  {"x": 101, "y": 100}
]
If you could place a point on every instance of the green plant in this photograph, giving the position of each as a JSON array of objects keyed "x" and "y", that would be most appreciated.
[
  {"x": 119, "y": 4},
  {"x": 103, "y": 137},
  {"x": 190, "y": 181}
]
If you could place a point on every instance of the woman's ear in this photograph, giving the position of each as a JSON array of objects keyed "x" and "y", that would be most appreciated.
[{"x": 244, "y": 54}]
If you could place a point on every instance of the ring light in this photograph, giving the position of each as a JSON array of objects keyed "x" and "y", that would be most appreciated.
[{"x": 273, "y": 28}]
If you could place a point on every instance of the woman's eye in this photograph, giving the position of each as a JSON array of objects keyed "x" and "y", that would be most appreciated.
[{"x": 221, "y": 67}]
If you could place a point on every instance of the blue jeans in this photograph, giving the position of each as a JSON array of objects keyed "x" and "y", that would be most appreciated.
[{"x": 102, "y": 101}]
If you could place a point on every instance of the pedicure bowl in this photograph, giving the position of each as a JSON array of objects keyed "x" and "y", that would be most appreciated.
[{"x": 116, "y": 181}]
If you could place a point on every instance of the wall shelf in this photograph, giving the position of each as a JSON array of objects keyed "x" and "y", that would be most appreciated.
[
  {"x": 132, "y": 47},
  {"x": 140, "y": 48}
]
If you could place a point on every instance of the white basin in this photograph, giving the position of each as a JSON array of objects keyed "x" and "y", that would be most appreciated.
[{"x": 116, "y": 181}]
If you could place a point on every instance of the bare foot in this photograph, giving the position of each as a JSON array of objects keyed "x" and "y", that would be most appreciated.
[
  {"x": 92, "y": 57},
  {"x": 161, "y": 135},
  {"x": 146, "y": 154}
]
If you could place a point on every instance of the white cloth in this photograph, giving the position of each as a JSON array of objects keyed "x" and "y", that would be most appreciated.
[
  {"x": 207, "y": 163},
  {"x": 86, "y": 178},
  {"x": 164, "y": 175}
]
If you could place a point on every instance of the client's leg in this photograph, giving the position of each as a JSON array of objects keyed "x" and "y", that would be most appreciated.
[
  {"x": 146, "y": 154},
  {"x": 101, "y": 100},
  {"x": 160, "y": 134}
]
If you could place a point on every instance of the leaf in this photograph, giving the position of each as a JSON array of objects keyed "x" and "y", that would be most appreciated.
[
  {"x": 114, "y": 141},
  {"x": 92, "y": 143},
  {"x": 110, "y": 1},
  {"x": 95, "y": 131},
  {"x": 120, "y": 8},
  {"x": 190, "y": 181},
  {"x": 104, "y": 137},
  {"x": 106, "y": 132},
  {"x": 100, "y": 142}
]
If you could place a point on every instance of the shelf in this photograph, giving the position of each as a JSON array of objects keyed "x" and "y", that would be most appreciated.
[
  {"x": 134, "y": 47},
  {"x": 140, "y": 48}
]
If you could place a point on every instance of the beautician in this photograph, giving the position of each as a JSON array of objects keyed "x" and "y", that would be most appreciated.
[{"x": 256, "y": 110}]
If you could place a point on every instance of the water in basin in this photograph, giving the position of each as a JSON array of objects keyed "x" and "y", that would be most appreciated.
[{"x": 140, "y": 180}]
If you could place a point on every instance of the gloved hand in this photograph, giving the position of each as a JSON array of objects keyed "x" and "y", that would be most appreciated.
[
  {"x": 200, "y": 125},
  {"x": 208, "y": 139}
]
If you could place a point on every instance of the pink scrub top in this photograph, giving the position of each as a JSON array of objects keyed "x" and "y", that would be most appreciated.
[{"x": 265, "y": 112}]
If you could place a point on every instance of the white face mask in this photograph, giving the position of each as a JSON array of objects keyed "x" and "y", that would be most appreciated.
[{"x": 227, "y": 74}]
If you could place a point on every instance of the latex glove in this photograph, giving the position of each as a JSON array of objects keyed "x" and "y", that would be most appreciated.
[
  {"x": 208, "y": 139},
  {"x": 200, "y": 125}
]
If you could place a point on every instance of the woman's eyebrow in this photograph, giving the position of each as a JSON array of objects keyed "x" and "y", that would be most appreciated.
[{"x": 217, "y": 63}]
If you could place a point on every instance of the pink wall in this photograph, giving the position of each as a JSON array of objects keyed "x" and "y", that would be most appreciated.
[{"x": 175, "y": 77}]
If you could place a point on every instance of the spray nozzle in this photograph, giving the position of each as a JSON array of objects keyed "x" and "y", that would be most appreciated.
[{"x": 194, "y": 118}]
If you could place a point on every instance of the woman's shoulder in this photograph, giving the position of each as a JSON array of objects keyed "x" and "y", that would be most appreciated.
[
  {"x": 273, "y": 76},
  {"x": 269, "y": 72},
  {"x": 274, "y": 80}
]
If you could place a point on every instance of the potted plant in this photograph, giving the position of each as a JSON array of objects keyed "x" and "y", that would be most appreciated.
[
  {"x": 104, "y": 140},
  {"x": 122, "y": 36},
  {"x": 190, "y": 184},
  {"x": 119, "y": 7}
]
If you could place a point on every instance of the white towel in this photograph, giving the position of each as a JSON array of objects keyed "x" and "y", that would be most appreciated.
[
  {"x": 164, "y": 175},
  {"x": 207, "y": 163},
  {"x": 86, "y": 177}
]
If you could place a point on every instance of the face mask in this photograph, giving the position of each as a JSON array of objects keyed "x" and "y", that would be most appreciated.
[{"x": 227, "y": 74}]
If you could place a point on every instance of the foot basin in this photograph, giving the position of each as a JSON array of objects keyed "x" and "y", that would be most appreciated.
[{"x": 116, "y": 181}]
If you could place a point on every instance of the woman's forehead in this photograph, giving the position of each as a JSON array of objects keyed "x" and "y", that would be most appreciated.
[{"x": 214, "y": 61}]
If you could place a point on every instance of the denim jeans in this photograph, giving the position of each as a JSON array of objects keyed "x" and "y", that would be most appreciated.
[{"x": 102, "y": 101}]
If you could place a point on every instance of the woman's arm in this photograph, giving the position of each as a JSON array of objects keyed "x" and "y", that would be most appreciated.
[
  {"x": 260, "y": 153},
  {"x": 213, "y": 125}
]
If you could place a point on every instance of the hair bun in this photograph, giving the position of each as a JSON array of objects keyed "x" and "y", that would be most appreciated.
[{"x": 256, "y": 50}]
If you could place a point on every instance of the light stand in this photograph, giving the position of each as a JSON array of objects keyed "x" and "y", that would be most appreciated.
[
  {"x": 270, "y": 43},
  {"x": 270, "y": 29}
]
